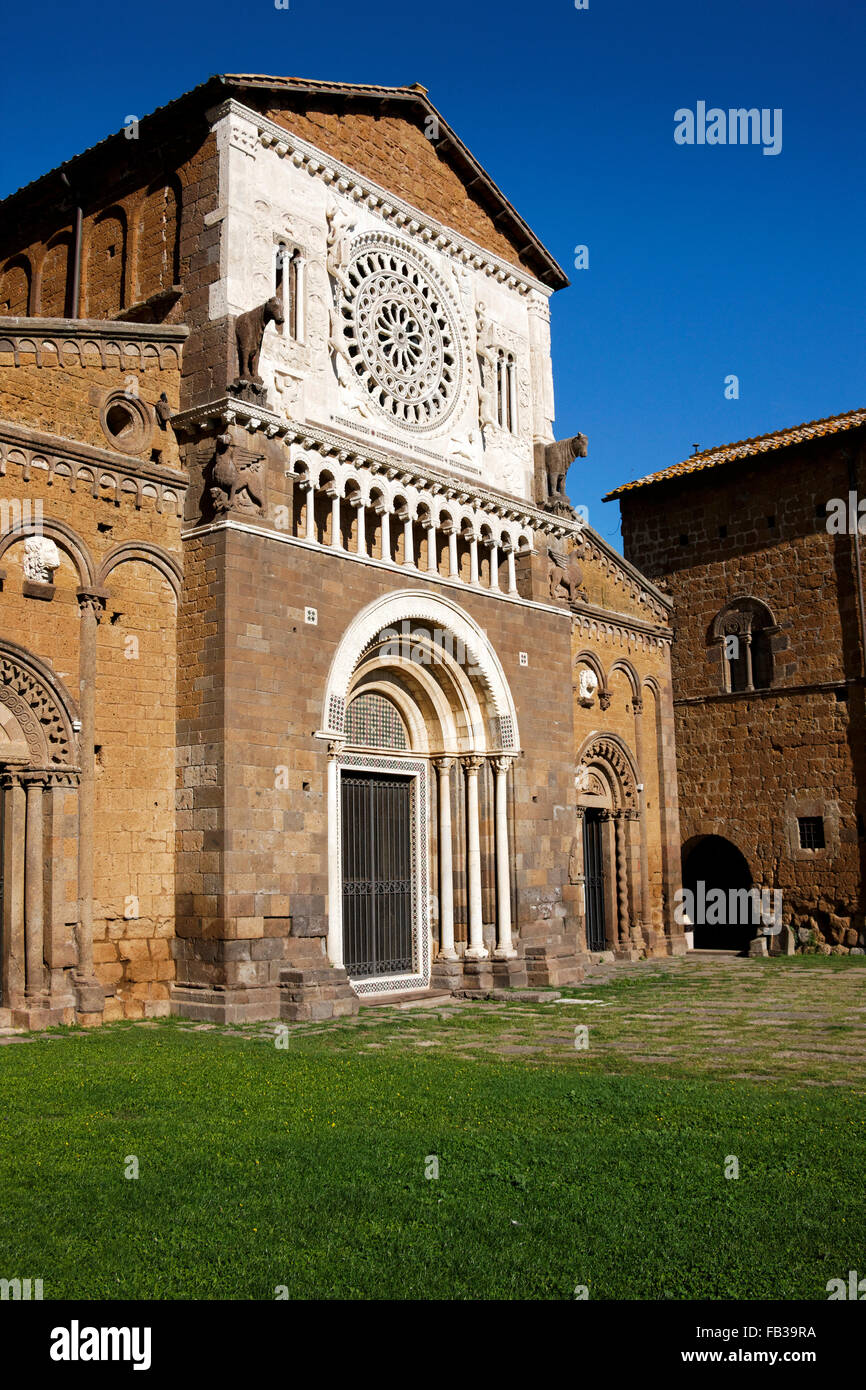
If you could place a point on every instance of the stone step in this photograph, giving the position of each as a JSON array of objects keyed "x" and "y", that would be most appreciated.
[{"x": 412, "y": 999}]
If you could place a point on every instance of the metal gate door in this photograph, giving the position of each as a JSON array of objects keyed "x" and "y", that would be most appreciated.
[
  {"x": 593, "y": 869},
  {"x": 377, "y": 874}
]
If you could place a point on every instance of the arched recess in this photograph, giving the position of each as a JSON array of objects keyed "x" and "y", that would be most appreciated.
[
  {"x": 446, "y": 774},
  {"x": 628, "y": 670},
  {"x": 38, "y": 768},
  {"x": 66, "y": 539},
  {"x": 591, "y": 659},
  {"x": 148, "y": 554},
  {"x": 16, "y": 281},
  {"x": 54, "y": 278},
  {"x": 158, "y": 253},
  {"x": 106, "y": 264},
  {"x": 472, "y": 661}
]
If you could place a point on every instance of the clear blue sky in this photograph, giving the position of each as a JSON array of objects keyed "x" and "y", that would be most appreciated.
[{"x": 703, "y": 261}]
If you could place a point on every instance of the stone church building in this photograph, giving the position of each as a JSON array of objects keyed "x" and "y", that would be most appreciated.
[
  {"x": 759, "y": 545},
  {"x": 313, "y": 686}
]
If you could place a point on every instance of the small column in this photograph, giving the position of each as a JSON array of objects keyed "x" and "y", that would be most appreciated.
[
  {"x": 408, "y": 540},
  {"x": 34, "y": 949},
  {"x": 577, "y": 876},
  {"x": 381, "y": 510},
  {"x": 432, "y": 566},
  {"x": 446, "y": 866},
  {"x": 310, "y": 512},
  {"x": 644, "y": 916},
  {"x": 453, "y": 567},
  {"x": 358, "y": 504},
  {"x": 504, "y": 945},
  {"x": 335, "y": 906},
  {"x": 90, "y": 994},
  {"x": 512, "y": 576},
  {"x": 623, "y": 925},
  {"x": 473, "y": 559},
  {"x": 298, "y": 305},
  {"x": 336, "y": 538},
  {"x": 476, "y": 949},
  {"x": 747, "y": 643},
  {"x": 494, "y": 565}
]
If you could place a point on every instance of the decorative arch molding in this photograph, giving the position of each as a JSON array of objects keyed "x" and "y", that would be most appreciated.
[
  {"x": 609, "y": 754},
  {"x": 65, "y": 537},
  {"x": 591, "y": 659},
  {"x": 621, "y": 664},
  {"x": 416, "y": 605},
  {"x": 40, "y": 703},
  {"x": 148, "y": 554},
  {"x": 749, "y": 607}
]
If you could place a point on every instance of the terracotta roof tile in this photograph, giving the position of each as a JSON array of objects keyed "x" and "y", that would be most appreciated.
[{"x": 747, "y": 448}]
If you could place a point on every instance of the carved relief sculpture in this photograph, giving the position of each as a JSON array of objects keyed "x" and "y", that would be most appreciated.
[
  {"x": 587, "y": 685},
  {"x": 41, "y": 559},
  {"x": 237, "y": 478},
  {"x": 485, "y": 349},
  {"x": 566, "y": 576}
]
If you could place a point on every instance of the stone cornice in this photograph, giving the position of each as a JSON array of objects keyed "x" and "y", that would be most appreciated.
[
  {"x": 101, "y": 469},
  {"x": 393, "y": 210},
  {"x": 724, "y": 697},
  {"x": 104, "y": 342}
]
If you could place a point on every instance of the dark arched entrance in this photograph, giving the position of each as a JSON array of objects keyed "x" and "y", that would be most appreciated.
[{"x": 711, "y": 862}]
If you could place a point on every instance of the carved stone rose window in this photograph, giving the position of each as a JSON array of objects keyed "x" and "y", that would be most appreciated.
[{"x": 401, "y": 336}]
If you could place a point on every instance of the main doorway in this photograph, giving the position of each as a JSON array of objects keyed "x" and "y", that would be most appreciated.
[
  {"x": 377, "y": 864},
  {"x": 593, "y": 861}
]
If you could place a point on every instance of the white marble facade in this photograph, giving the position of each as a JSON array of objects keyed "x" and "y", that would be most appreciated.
[{"x": 406, "y": 335}]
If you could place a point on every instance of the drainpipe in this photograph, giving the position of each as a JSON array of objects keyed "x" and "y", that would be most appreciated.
[{"x": 76, "y": 251}]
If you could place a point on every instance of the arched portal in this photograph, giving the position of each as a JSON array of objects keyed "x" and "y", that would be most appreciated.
[
  {"x": 38, "y": 772},
  {"x": 718, "y": 878},
  {"x": 609, "y": 841},
  {"x": 422, "y": 734}
]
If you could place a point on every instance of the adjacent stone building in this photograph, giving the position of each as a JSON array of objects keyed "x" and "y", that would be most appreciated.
[
  {"x": 758, "y": 545},
  {"x": 314, "y": 686}
]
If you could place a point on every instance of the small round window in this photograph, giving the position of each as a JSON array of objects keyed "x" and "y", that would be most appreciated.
[{"x": 126, "y": 423}]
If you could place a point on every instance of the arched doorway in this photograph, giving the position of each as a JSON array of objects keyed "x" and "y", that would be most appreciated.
[
  {"x": 39, "y": 778},
  {"x": 717, "y": 876},
  {"x": 422, "y": 736}
]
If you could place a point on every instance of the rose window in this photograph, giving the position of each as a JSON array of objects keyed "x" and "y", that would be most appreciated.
[{"x": 401, "y": 338}]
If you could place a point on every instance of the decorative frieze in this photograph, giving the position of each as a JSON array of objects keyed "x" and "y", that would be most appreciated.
[
  {"x": 103, "y": 473},
  {"x": 93, "y": 343}
]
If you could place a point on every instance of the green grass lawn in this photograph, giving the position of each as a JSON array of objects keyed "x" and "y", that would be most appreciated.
[{"x": 305, "y": 1167}]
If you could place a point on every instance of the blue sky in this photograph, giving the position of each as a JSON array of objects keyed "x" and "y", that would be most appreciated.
[{"x": 704, "y": 261}]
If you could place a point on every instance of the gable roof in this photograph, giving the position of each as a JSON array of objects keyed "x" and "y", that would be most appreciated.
[
  {"x": 411, "y": 102},
  {"x": 747, "y": 448}
]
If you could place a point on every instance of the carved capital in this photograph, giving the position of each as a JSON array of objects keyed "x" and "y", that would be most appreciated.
[
  {"x": 335, "y": 747},
  {"x": 604, "y": 700},
  {"x": 637, "y": 704},
  {"x": 91, "y": 601},
  {"x": 444, "y": 765},
  {"x": 472, "y": 763}
]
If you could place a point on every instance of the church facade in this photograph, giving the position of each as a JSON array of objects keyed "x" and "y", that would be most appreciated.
[{"x": 315, "y": 688}]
